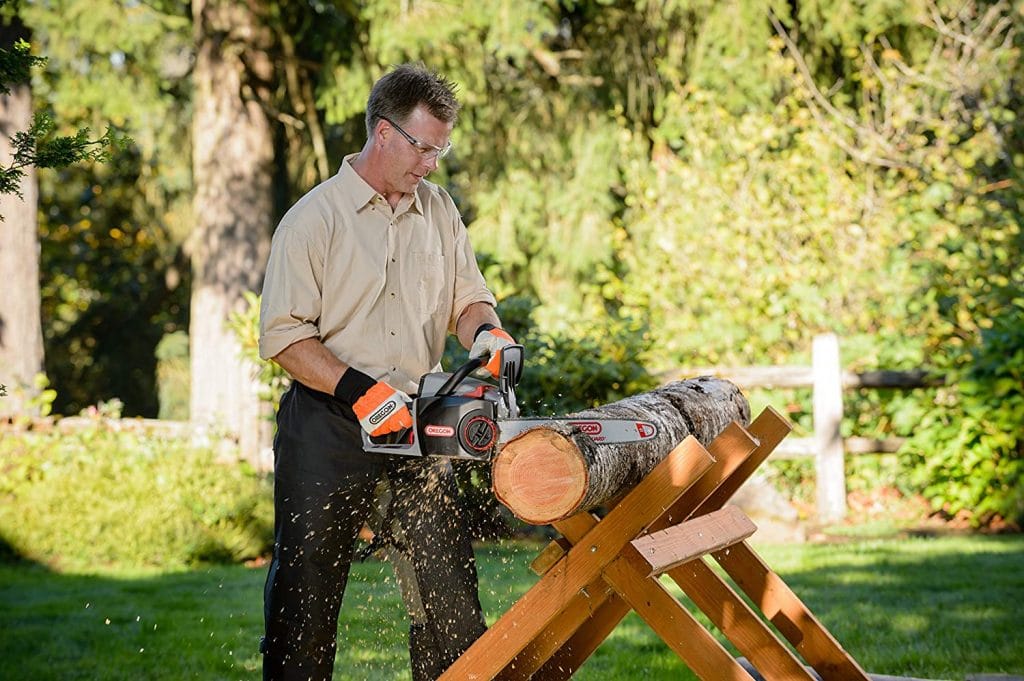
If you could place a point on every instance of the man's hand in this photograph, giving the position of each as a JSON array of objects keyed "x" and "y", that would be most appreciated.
[
  {"x": 488, "y": 341},
  {"x": 380, "y": 408}
]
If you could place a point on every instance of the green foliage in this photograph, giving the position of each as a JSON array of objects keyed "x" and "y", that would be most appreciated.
[
  {"x": 591, "y": 364},
  {"x": 173, "y": 376},
  {"x": 16, "y": 65},
  {"x": 968, "y": 453},
  {"x": 272, "y": 379},
  {"x": 101, "y": 497},
  {"x": 116, "y": 284},
  {"x": 39, "y": 147}
]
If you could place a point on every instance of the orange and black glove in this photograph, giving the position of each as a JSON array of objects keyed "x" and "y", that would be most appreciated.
[
  {"x": 488, "y": 342},
  {"x": 380, "y": 408}
]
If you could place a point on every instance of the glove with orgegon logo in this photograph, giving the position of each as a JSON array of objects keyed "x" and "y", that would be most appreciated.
[
  {"x": 489, "y": 340},
  {"x": 380, "y": 408}
]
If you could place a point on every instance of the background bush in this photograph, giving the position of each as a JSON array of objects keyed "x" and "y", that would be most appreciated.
[
  {"x": 967, "y": 457},
  {"x": 100, "y": 497}
]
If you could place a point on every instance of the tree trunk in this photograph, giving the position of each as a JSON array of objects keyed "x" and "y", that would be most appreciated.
[
  {"x": 233, "y": 170},
  {"x": 550, "y": 473},
  {"x": 21, "y": 331}
]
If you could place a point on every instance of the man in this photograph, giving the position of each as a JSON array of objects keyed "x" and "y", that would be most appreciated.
[{"x": 368, "y": 273}]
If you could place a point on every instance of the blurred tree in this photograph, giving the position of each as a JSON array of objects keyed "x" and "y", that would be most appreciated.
[
  {"x": 21, "y": 335},
  {"x": 258, "y": 144},
  {"x": 233, "y": 156}
]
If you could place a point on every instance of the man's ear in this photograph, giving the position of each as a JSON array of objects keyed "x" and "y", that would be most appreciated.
[{"x": 381, "y": 130}]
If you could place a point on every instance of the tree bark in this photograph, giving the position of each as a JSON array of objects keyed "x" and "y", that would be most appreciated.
[
  {"x": 21, "y": 331},
  {"x": 552, "y": 472},
  {"x": 233, "y": 154}
]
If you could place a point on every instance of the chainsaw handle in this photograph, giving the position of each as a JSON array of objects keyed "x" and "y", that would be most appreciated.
[{"x": 459, "y": 376}]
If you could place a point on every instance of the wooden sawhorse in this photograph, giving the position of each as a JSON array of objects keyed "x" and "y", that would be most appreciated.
[{"x": 600, "y": 569}]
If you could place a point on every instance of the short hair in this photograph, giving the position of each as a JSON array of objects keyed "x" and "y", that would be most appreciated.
[{"x": 405, "y": 87}]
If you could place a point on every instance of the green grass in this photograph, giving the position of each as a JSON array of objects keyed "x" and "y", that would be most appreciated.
[{"x": 936, "y": 608}]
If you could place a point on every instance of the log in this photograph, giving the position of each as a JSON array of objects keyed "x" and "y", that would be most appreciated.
[{"x": 552, "y": 472}]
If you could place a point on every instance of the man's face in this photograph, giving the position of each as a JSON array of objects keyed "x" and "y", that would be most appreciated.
[{"x": 406, "y": 163}]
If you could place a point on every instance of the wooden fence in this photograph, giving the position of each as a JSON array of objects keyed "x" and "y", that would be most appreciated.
[{"x": 828, "y": 381}]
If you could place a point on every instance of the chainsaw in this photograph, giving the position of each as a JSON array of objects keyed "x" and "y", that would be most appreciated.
[{"x": 460, "y": 417}]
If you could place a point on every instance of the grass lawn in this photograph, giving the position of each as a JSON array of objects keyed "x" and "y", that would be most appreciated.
[{"x": 930, "y": 607}]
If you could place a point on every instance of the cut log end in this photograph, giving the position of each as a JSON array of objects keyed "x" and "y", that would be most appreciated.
[{"x": 540, "y": 475}]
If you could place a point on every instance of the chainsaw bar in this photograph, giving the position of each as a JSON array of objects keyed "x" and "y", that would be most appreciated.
[{"x": 601, "y": 431}]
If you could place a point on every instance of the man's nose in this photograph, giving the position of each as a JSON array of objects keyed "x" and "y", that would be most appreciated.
[{"x": 430, "y": 164}]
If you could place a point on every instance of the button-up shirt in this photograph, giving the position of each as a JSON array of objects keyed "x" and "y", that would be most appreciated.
[{"x": 380, "y": 288}]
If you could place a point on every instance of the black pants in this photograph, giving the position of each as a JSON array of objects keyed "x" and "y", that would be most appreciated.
[{"x": 323, "y": 491}]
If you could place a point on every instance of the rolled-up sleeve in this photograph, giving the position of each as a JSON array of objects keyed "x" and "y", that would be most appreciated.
[
  {"x": 291, "y": 304},
  {"x": 470, "y": 286}
]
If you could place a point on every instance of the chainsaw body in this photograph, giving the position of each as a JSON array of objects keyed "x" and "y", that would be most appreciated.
[
  {"x": 459, "y": 417},
  {"x": 456, "y": 416}
]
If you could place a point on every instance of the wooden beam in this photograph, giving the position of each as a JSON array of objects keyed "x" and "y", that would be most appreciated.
[
  {"x": 803, "y": 377},
  {"x": 737, "y": 452},
  {"x": 701, "y": 651},
  {"x": 768, "y": 430},
  {"x": 828, "y": 441},
  {"x": 730, "y": 449},
  {"x": 787, "y": 612},
  {"x": 550, "y": 555},
  {"x": 656, "y": 553},
  {"x": 582, "y": 644},
  {"x": 737, "y": 621},
  {"x": 800, "y": 447},
  {"x": 581, "y": 608}
]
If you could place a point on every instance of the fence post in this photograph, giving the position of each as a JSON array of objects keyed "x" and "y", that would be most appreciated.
[{"x": 828, "y": 415}]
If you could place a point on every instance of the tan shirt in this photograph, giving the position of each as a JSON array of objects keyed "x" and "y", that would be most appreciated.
[{"x": 380, "y": 288}]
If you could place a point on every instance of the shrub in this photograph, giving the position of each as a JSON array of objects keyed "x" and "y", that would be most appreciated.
[
  {"x": 103, "y": 497},
  {"x": 967, "y": 457}
]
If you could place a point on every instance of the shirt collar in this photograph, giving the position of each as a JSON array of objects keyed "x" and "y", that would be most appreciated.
[
  {"x": 362, "y": 194},
  {"x": 356, "y": 188}
]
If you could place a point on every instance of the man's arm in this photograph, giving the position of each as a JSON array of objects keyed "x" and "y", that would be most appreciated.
[
  {"x": 309, "y": 362},
  {"x": 472, "y": 317},
  {"x": 380, "y": 408}
]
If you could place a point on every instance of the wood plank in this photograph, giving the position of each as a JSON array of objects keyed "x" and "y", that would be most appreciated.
[
  {"x": 803, "y": 377},
  {"x": 679, "y": 629},
  {"x": 829, "y": 462},
  {"x": 788, "y": 613},
  {"x": 656, "y": 553},
  {"x": 550, "y": 555},
  {"x": 531, "y": 614},
  {"x": 749, "y": 377},
  {"x": 731, "y": 448},
  {"x": 593, "y": 630},
  {"x": 768, "y": 429},
  {"x": 802, "y": 447},
  {"x": 582, "y": 644},
  {"x": 738, "y": 621},
  {"x": 580, "y": 609}
]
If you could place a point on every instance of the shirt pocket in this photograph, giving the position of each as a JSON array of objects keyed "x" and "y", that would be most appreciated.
[{"x": 429, "y": 278}]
